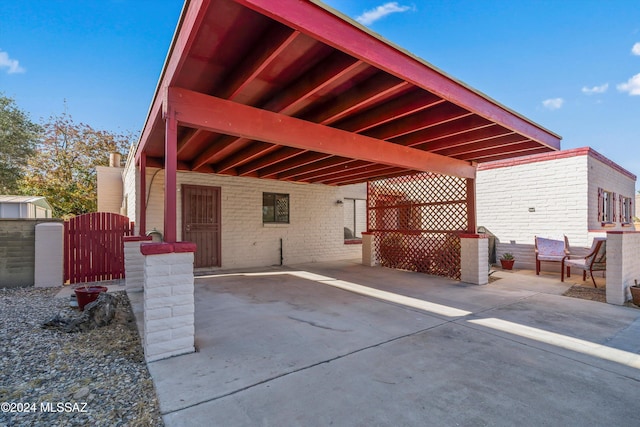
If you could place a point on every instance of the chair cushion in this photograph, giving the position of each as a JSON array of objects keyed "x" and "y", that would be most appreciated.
[
  {"x": 577, "y": 263},
  {"x": 550, "y": 250},
  {"x": 551, "y": 257}
]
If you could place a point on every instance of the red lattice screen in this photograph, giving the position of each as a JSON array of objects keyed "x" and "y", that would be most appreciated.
[{"x": 416, "y": 221}]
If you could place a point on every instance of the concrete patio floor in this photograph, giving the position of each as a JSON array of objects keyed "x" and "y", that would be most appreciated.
[{"x": 347, "y": 345}]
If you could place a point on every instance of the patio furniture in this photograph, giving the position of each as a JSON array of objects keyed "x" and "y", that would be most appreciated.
[
  {"x": 596, "y": 260},
  {"x": 550, "y": 250}
]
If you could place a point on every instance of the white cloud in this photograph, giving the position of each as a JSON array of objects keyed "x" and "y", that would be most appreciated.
[
  {"x": 596, "y": 89},
  {"x": 553, "y": 103},
  {"x": 632, "y": 85},
  {"x": 11, "y": 65},
  {"x": 371, "y": 16},
  {"x": 636, "y": 49}
]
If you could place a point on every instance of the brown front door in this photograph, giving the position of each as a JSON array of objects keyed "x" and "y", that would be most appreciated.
[{"x": 201, "y": 223}]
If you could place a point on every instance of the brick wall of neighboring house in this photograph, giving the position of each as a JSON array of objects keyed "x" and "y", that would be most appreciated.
[
  {"x": 548, "y": 195},
  {"x": 315, "y": 232},
  {"x": 17, "y": 251},
  {"x": 109, "y": 188}
]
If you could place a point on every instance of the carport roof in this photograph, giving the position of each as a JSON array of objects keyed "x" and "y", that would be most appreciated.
[{"x": 293, "y": 90}]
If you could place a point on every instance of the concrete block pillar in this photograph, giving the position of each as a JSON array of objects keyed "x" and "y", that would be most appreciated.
[
  {"x": 623, "y": 267},
  {"x": 134, "y": 263},
  {"x": 169, "y": 309},
  {"x": 474, "y": 259},
  {"x": 368, "y": 250},
  {"x": 49, "y": 255}
]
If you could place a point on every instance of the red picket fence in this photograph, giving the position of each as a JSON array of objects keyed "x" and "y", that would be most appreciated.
[{"x": 94, "y": 247}]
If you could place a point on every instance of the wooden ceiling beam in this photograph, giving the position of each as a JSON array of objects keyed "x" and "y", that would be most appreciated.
[{"x": 201, "y": 111}]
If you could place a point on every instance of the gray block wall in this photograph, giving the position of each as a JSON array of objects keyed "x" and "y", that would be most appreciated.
[{"x": 17, "y": 251}]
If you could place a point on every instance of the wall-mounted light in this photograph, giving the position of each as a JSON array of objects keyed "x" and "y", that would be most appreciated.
[
  {"x": 532, "y": 209},
  {"x": 339, "y": 202}
]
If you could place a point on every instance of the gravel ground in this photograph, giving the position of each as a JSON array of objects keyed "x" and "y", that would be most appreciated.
[{"x": 52, "y": 378}]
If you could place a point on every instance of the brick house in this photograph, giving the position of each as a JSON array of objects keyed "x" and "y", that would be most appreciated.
[{"x": 578, "y": 193}]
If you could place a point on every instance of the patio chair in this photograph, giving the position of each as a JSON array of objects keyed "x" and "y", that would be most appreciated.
[
  {"x": 596, "y": 260},
  {"x": 549, "y": 250}
]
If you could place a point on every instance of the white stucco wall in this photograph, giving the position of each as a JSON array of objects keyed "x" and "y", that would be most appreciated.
[
  {"x": 562, "y": 190},
  {"x": 315, "y": 232},
  {"x": 109, "y": 189}
]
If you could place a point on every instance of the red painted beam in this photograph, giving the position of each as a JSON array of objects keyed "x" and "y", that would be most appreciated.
[
  {"x": 301, "y": 160},
  {"x": 445, "y": 130},
  {"x": 197, "y": 137},
  {"x": 278, "y": 39},
  {"x": 274, "y": 157},
  {"x": 358, "y": 98},
  {"x": 170, "y": 176},
  {"x": 218, "y": 115},
  {"x": 499, "y": 144},
  {"x": 253, "y": 151},
  {"x": 218, "y": 150},
  {"x": 335, "y": 169},
  {"x": 361, "y": 174},
  {"x": 425, "y": 119},
  {"x": 314, "y": 167},
  {"x": 394, "y": 109},
  {"x": 318, "y": 22},
  {"x": 464, "y": 138},
  {"x": 292, "y": 100}
]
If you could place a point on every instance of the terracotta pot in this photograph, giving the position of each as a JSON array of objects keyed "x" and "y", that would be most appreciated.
[
  {"x": 507, "y": 264},
  {"x": 88, "y": 294},
  {"x": 635, "y": 294}
]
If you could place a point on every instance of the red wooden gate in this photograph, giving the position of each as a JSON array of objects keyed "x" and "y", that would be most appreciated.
[{"x": 94, "y": 247}]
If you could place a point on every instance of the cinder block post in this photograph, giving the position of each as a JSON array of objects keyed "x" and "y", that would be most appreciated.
[
  {"x": 368, "y": 250},
  {"x": 134, "y": 263},
  {"x": 169, "y": 309},
  {"x": 49, "y": 255},
  {"x": 474, "y": 259},
  {"x": 623, "y": 267}
]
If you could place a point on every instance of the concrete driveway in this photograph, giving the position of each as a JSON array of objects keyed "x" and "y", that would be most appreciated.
[{"x": 346, "y": 345}]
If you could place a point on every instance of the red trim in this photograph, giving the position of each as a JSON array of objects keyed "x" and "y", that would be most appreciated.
[
  {"x": 156, "y": 248},
  {"x": 137, "y": 238},
  {"x": 167, "y": 248},
  {"x": 182, "y": 247},
  {"x": 564, "y": 154},
  {"x": 624, "y": 232},
  {"x": 353, "y": 241},
  {"x": 473, "y": 236}
]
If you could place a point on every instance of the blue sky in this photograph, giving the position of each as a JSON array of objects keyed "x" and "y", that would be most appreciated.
[{"x": 573, "y": 66}]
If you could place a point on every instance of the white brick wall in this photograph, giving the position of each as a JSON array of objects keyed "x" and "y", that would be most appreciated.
[
  {"x": 564, "y": 193},
  {"x": 169, "y": 327},
  {"x": 623, "y": 265},
  {"x": 134, "y": 266},
  {"x": 315, "y": 232},
  {"x": 474, "y": 260}
]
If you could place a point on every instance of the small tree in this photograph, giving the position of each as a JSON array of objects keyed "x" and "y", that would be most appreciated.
[
  {"x": 18, "y": 136},
  {"x": 63, "y": 168}
]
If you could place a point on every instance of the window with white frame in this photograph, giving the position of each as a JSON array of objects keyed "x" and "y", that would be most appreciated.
[
  {"x": 606, "y": 206},
  {"x": 626, "y": 212},
  {"x": 355, "y": 218}
]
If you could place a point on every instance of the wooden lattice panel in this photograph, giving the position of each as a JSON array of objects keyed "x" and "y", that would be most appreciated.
[{"x": 416, "y": 221}]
